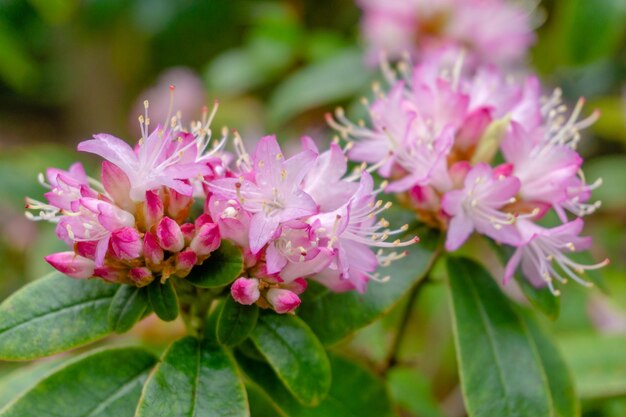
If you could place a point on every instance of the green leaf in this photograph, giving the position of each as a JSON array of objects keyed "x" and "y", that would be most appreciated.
[
  {"x": 24, "y": 378},
  {"x": 127, "y": 308},
  {"x": 222, "y": 268},
  {"x": 598, "y": 364},
  {"x": 355, "y": 391},
  {"x": 235, "y": 322},
  {"x": 163, "y": 299},
  {"x": 412, "y": 391},
  {"x": 194, "y": 378},
  {"x": 541, "y": 298},
  {"x": 333, "y": 316},
  {"x": 501, "y": 374},
  {"x": 295, "y": 354},
  {"x": 560, "y": 381},
  {"x": 102, "y": 383},
  {"x": 53, "y": 314},
  {"x": 338, "y": 77}
]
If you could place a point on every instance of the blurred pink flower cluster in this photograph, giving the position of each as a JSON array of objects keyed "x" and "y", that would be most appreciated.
[
  {"x": 293, "y": 218},
  {"x": 471, "y": 149},
  {"x": 492, "y": 31}
]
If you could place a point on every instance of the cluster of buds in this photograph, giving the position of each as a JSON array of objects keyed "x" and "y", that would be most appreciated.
[
  {"x": 295, "y": 218},
  {"x": 477, "y": 151},
  {"x": 131, "y": 227},
  {"x": 421, "y": 27},
  {"x": 300, "y": 217}
]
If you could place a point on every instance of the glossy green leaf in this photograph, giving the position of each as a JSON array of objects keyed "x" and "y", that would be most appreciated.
[
  {"x": 338, "y": 77},
  {"x": 501, "y": 373},
  {"x": 355, "y": 391},
  {"x": 222, "y": 268},
  {"x": 541, "y": 298},
  {"x": 261, "y": 405},
  {"x": 333, "y": 316},
  {"x": 163, "y": 299},
  {"x": 560, "y": 382},
  {"x": 24, "y": 378},
  {"x": 106, "y": 383},
  {"x": 53, "y": 314},
  {"x": 295, "y": 354},
  {"x": 194, "y": 378},
  {"x": 235, "y": 322},
  {"x": 598, "y": 364},
  {"x": 127, "y": 308}
]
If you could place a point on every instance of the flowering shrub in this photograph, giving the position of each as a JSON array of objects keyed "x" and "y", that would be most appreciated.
[{"x": 269, "y": 258}]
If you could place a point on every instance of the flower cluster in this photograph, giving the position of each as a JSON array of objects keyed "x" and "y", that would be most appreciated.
[
  {"x": 478, "y": 151},
  {"x": 131, "y": 226},
  {"x": 493, "y": 31},
  {"x": 300, "y": 217},
  {"x": 294, "y": 218}
]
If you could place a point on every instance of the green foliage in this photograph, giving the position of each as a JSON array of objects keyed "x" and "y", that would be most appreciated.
[
  {"x": 295, "y": 354},
  {"x": 412, "y": 391},
  {"x": 127, "y": 307},
  {"x": 501, "y": 373},
  {"x": 24, "y": 378},
  {"x": 105, "y": 383},
  {"x": 334, "y": 316},
  {"x": 53, "y": 314},
  {"x": 163, "y": 299},
  {"x": 355, "y": 391},
  {"x": 235, "y": 322},
  {"x": 195, "y": 378},
  {"x": 222, "y": 267}
]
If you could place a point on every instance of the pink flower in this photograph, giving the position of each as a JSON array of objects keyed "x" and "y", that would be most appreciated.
[
  {"x": 245, "y": 290},
  {"x": 72, "y": 265},
  {"x": 169, "y": 235},
  {"x": 206, "y": 239},
  {"x": 283, "y": 301},
  {"x": 545, "y": 249},
  {"x": 478, "y": 207},
  {"x": 275, "y": 195},
  {"x": 126, "y": 243}
]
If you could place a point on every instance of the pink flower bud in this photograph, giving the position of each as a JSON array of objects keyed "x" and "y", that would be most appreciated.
[
  {"x": 116, "y": 275},
  {"x": 297, "y": 286},
  {"x": 71, "y": 264},
  {"x": 206, "y": 240},
  {"x": 141, "y": 276},
  {"x": 283, "y": 301},
  {"x": 126, "y": 243},
  {"x": 189, "y": 231},
  {"x": 245, "y": 290},
  {"x": 86, "y": 248},
  {"x": 202, "y": 220},
  {"x": 152, "y": 209},
  {"x": 184, "y": 262},
  {"x": 151, "y": 250},
  {"x": 169, "y": 235},
  {"x": 178, "y": 205},
  {"x": 116, "y": 183}
]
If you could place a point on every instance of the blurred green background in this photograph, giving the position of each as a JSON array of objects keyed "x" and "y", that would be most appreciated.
[{"x": 71, "y": 68}]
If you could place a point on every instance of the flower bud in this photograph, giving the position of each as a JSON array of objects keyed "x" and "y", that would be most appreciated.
[
  {"x": 126, "y": 243},
  {"x": 207, "y": 239},
  {"x": 141, "y": 276},
  {"x": 297, "y": 286},
  {"x": 283, "y": 301},
  {"x": 178, "y": 205},
  {"x": 152, "y": 209},
  {"x": 117, "y": 185},
  {"x": 151, "y": 250},
  {"x": 72, "y": 265},
  {"x": 169, "y": 235},
  {"x": 86, "y": 248},
  {"x": 184, "y": 262},
  {"x": 189, "y": 231},
  {"x": 245, "y": 290}
]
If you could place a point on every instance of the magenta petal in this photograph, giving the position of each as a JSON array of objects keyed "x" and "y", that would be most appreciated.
[
  {"x": 112, "y": 149},
  {"x": 72, "y": 265},
  {"x": 116, "y": 183}
]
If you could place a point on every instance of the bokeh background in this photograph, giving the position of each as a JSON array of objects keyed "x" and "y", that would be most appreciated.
[{"x": 71, "y": 68}]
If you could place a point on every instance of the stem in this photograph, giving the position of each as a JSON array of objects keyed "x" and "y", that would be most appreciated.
[
  {"x": 396, "y": 343},
  {"x": 194, "y": 306}
]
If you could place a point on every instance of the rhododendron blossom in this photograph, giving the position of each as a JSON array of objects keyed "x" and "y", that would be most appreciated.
[
  {"x": 292, "y": 217},
  {"x": 440, "y": 130}
]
